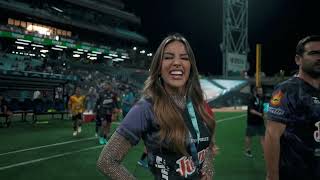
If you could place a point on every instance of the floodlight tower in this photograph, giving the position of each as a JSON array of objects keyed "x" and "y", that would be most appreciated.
[{"x": 234, "y": 46}]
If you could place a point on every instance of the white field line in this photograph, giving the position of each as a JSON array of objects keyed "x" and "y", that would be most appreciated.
[
  {"x": 47, "y": 158},
  {"x": 44, "y": 146},
  {"x": 73, "y": 152}
]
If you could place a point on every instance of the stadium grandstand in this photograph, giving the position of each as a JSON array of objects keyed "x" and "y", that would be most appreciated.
[{"x": 49, "y": 47}]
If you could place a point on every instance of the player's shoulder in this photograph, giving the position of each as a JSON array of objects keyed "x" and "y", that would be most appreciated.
[{"x": 291, "y": 84}]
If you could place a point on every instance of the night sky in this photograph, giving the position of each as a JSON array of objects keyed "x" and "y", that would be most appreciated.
[{"x": 276, "y": 24}]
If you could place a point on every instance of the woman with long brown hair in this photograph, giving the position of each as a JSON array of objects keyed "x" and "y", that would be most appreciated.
[{"x": 171, "y": 118}]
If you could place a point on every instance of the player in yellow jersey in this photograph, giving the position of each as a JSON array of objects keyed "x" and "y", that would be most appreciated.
[{"x": 76, "y": 108}]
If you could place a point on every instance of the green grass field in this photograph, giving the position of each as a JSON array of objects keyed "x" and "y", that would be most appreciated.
[{"x": 48, "y": 151}]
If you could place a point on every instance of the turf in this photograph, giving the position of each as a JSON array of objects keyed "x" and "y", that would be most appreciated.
[{"x": 76, "y": 160}]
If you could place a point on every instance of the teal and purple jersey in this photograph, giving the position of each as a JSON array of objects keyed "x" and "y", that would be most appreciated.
[
  {"x": 163, "y": 162},
  {"x": 296, "y": 104}
]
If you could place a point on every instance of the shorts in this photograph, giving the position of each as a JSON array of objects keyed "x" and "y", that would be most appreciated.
[
  {"x": 252, "y": 130},
  {"x": 103, "y": 117},
  {"x": 76, "y": 117}
]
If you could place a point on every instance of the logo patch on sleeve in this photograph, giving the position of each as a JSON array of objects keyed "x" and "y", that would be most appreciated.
[{"x": 276, "y": 98}]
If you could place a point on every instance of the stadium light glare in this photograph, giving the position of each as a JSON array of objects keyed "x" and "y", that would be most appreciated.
[
  {"x": 79, "y": 49},
  {"x": 40, "y": 29},
  {"x": 134, "y": 48},
  {"x": 142, "y": 51},
  {"x": 125, "y": 57},
  {"x": 23, "y": 40},
  {"x": 44, "y": 50},
  {"x": 22, "y": 43},
  {"x": 58, "y": 49},
  {"x": 43, "y": 55},
  {"x": 109, "y": 57},
  {"x": 97, "y": 52},
  {"x": 90, "y": 54},
  {"x": 20, "y": 47},
  {"x": 57, "y": 9},
  {"x": 118, "y": 59},
  {"x": 37, "y": 45},
  {"x": 77, "y": 52},
  {"x": 113, "y": 55},
  {"x": 59, "y": 46},
  {"x": 76, "y": 55}
]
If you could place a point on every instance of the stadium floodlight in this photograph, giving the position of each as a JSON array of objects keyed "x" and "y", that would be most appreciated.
[
  {"x": 22, "y": 43},
  {"x": 118, "y": 59},
  {"x": 149, "y": 54},
  {"x": 125, "y": 57},
  {"x": 109, "y": 57},
  {"x": 37, "y": 45},
  {"x": 23, "y": 40},
  {"x": 142, "y": 51},
  {"x": 134, "y": 48},
  {"x": 43, "y": 55},
  {"x": 76, "y": 55},
  {"x": 97, "y": 52},
  {"x": 113, "y": 55},
  {"x": 44, "y": 50},
  {"x": 59, "y": 46},
  {"x": 90, "y": 54},
  {"x": 79, "y": 49},
  {"x": 20, "y": 47},
  {"x": 77, "y": 52},
  {"x": 93, "y": 58},
  {"x": 57, "y": 9},
  {"x": 58, "y": 49}
]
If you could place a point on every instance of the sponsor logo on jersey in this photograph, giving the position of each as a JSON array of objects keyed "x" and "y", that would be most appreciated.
[
  {"x": 161, "y": 164},
  {"x": 186, "y": 165},
  {"x": 276, "y": 98},
  {"x": 316, "y": 100},
  {"x": 276, "y": 111},
  {"x": 316, "y": 133}
]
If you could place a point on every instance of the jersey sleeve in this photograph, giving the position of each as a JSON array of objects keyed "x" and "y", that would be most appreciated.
[
  {"x": 208, "y": 109},
  {"x": 135, "y": 122},
  {"x": 282, "y": 105}
]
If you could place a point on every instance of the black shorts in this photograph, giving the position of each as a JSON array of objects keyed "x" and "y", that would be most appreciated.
[
  {"x": 103, "y": 117},
  {"x": 76, "y": 117},
  {"x": 255, "y": 130}
]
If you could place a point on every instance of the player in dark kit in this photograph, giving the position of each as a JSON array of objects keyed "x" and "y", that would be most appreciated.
[
  {"x": 292, "y": 140},
  {"x": 105, "y": 105},
  {"x": 255, "y": 121}
]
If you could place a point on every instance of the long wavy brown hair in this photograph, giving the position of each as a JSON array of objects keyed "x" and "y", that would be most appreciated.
[{"x": 172, "y": 126}]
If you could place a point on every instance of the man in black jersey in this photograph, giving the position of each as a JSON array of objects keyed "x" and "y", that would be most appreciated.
[
  {"x": 255, "y": 121},
  {"x": 292, "y": 139}
]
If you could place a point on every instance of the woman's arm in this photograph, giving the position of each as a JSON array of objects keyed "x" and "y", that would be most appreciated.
[
  {"x": 208, "y": 169},
  {"x": 109, "y": 162}
]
